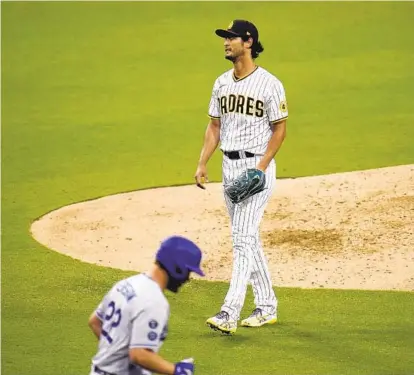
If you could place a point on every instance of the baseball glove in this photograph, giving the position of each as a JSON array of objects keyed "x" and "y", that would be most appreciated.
[{"x": 249, "y": 183}]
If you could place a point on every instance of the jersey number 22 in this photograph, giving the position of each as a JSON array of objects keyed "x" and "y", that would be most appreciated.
[{"x": 112, "y": 319}]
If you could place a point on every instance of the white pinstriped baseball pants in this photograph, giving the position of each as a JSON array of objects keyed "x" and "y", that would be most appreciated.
[{"x": 249, "y": 261}]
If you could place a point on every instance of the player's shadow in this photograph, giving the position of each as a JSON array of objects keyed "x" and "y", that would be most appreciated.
[{"x": 234, "y": 338}]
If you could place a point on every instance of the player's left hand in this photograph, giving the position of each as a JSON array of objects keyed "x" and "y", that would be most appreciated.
[
  {"x": 185, "y": 367},
  {"x": 247, "y": 184}
]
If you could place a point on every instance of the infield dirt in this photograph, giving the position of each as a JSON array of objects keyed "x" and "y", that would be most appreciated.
[{"x": 351, "y": 230}]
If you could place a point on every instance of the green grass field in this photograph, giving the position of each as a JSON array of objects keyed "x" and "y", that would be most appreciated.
[{"x": 100, "y": 98}]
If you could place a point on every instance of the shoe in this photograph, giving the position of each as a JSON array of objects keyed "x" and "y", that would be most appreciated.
[
  {"x": 258, "y": 318},
  {"x": 221, "y": 322}
]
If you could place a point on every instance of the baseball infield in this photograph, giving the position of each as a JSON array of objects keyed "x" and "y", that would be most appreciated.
[{"x": 349, "y": 230}]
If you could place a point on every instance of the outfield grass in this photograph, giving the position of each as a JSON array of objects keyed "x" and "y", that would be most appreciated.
[{"x": 98, "y": 98}]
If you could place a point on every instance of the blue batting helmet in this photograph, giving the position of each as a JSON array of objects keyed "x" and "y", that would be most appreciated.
[{"x": 179, "y": 256}]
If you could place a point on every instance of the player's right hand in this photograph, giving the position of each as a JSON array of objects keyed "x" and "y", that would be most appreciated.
[
  {"x": 201, "y": 176},
  {"x": 185, "y": 367}
]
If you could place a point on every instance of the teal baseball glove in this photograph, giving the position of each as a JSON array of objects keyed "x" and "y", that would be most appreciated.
[{"x": 249, "y": 183}]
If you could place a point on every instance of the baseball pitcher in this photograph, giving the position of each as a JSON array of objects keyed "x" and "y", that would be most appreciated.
[
  {"x": 131, "y": 322},
  {"x": 248, "y": 113}
]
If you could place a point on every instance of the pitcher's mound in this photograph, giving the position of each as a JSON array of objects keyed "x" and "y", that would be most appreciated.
[{"x": 350, "y": 230}]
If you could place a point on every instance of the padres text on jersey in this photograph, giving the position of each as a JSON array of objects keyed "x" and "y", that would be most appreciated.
[{"x": 246, "y": 107}]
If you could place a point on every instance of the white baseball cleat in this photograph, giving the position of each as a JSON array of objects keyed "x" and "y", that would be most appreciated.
[
  {"x": 259, "y": 318},
  {"x": 221, "y": 322}
]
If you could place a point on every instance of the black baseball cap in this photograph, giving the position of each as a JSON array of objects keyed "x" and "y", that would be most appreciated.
[{"x": 239, "y": 28}]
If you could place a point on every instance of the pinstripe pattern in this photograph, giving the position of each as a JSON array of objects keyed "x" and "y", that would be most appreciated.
[
  {"x": 240, "y": 131},
  {"x": 246, "y": 108},
  {"x": 249, "y": 263}
]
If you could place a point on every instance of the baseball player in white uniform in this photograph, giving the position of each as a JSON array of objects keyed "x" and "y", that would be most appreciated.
[
  {"x": 248, "y": 113},
  {"x": 131, "y": 322}
]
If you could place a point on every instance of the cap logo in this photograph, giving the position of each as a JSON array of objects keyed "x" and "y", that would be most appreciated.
[
  {"x": 231, "y": 25},
  {"x": 247, "y": 33}
]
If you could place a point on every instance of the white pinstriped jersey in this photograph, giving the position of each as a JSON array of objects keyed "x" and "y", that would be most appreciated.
[
  {"x": 134, "y": 314},
  {"x": 246, "y": 108}
]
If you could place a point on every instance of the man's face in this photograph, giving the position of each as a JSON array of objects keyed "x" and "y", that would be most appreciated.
[
  {"x": 174, "y": 285},
  {"x": 234, "y": 48}
]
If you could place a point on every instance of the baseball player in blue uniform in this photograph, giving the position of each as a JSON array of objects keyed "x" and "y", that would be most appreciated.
[
  {"x": 248, "y": 114},
  {"x": 131, "y": 322}
]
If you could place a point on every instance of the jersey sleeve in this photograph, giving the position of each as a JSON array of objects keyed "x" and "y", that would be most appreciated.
[
  {"x": 149, "y": 326},
  {"x": 100, "y": 310},
  {"x": 276, "y": 105},
  {"x": 214, "y": 108}
]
